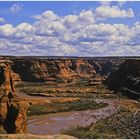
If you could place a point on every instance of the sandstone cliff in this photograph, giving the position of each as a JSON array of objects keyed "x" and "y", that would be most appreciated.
[
  {"x": 60, "y": 70},
  {"x": 12, "y": 108},
  {"x": 53, "y": 70}
]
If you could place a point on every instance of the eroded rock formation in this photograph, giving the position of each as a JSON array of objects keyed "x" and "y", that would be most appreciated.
[
  {"x": 12, "y": 108},
  {"x": 60, "y": 70},
  {"x": 126, "y": 79}
]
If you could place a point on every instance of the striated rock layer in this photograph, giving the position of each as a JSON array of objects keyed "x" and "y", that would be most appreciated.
[
  {"x": 12, "y": 108},
  {"x": 60, "y": 70}
]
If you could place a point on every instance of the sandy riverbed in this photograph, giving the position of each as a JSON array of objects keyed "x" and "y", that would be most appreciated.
[{"x": 56, "y": 123}]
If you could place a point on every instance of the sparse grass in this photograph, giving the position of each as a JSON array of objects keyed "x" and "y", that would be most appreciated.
[
  {"x": 29, "y": 90},
  {"x": 121, "y": 125},
  {"x": 82, "y": 133},
  {"x": 65, "y": 106},
  {"x": 51, "y": 84},
  {"x": 40, "y": 89},
  {"x": 72, "y": 95},
  {"x": 74, "y": 91},
  {"x": 94, "y": 131}
]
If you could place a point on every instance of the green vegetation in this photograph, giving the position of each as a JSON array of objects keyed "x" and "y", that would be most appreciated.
[
  {"x": 64, "y": 106},
  {"x": 122, "y": 125},
  {"x": 80, "y": 92},
  {"x": 72, "y": 95},
  {"x": 76, "y": 95},
  {"x": 94, "y": 131},
  {"x": 82, "y": 133}
]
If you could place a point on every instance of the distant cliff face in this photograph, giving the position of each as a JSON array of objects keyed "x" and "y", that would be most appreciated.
[
  {"x": 59, "y": 70},
  {"x": 53, "y": 70},
  {"x": 126, "y": 79}
]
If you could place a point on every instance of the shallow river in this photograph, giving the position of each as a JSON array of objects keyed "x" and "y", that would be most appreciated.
[{"x": 57, "y": 122}]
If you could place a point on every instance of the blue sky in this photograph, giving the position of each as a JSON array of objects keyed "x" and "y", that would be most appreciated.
[
  {"x": 62, "y": 8},
  {"x": 70, "y": 28}
]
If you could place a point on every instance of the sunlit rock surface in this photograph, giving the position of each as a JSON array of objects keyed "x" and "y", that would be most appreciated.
[{"x": 12, "y": 108}]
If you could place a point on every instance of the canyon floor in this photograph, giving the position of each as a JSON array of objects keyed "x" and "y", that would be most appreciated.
[{"x": 51, "y": 113}]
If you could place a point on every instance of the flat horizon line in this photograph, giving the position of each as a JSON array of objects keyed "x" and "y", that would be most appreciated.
[{"x": 62, "y": 56}]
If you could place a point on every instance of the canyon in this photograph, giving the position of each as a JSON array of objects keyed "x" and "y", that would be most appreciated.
[
  {"x": 42, "y": 81},
  {"x": 63, "y": 70}
]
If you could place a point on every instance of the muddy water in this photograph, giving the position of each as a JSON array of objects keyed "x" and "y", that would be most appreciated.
[{"x": 56, "y": 123}]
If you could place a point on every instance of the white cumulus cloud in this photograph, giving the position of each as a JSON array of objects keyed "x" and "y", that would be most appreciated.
[
  {"x": 7, "y": 30},
  {"x": 103, "y": 12},
  {"x": 77, "y": 34}
]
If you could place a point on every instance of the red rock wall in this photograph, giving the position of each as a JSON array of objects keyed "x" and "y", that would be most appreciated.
[
  {"x": 59, "y": 70},
  {"x": 13, "y": 109}
]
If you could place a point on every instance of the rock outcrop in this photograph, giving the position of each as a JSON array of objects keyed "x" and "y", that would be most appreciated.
[
  {"x": 126, "y": 79},
  {"x": 60, "y": 70},
  {"x": 12, "y": 108},
  {"x": 53, "y": 70}
]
